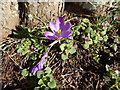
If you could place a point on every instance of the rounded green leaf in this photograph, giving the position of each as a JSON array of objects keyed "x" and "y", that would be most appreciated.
[
  {"x": 48, "y": 70},
  {"x": 40, "y": 82},
  {"x": 96, "y": 41},
  {"x": 52, "y": 83},
  {"x": 24, "y": 72},
  {"x": 105, "y": 38},
  {"x": 72, "y": 50},
  {"x": 88, "y": 30},
  {"x": 37, "y": 88},
  {"x": 67, "y": 51},
  {"x": 62, "y": 46},
  {"x": 39, "y": 74},
  {"x": 103, "y": 33},
  {"x": 64, "y": 57},
  {"x": 33, "y": 56},
  {"x": 116, "y": 40},
  {"x": 85, "y": 20},
  {"x": 86, "y": 46},
  {"x": 100, "y": 38}
]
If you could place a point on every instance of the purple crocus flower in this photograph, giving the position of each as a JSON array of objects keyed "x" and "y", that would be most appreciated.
[{"x": 60, "y": 29}]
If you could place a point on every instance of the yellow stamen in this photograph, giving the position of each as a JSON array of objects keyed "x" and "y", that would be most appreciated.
[{"x": 59, "y": 31}]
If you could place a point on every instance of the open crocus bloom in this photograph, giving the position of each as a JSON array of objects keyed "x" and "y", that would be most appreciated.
[{"x": 60, "y": 29}]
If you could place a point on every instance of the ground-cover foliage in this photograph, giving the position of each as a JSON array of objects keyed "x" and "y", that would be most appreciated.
[{"x": 93, "y": 39}]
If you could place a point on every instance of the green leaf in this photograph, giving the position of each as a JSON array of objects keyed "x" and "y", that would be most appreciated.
[
  {"x": 19, "y": 45},
  {"x": 88, "y": 30},
  {"x": 93, "y": 34},
  {"x": 47, "y": 88},
  {"x": 64, "y": 57},
  {"x": 37, "y": 88},
  {"x": 20, "y": 50},
  {"x": 40, "y": 82},
  {"x": 48, "y": 75},
  {"x": 44, "y": 78},
  {"x": 52, "y": 83},
  {"x": 86, "y": 46},
  {"x": 33, "y": 56},
  {"x": 83, "y": 28},
  {"x": 48, "y": 70},
  {"x": 106, "y": 78},
  {"x": 85, "y": 20},
  {"x": 29, "y": 30},
  {"x": 24, "y": 52},
  {"x": 15, "y": 33},
  {"x": 108, "y": 69},
  {"x": 69, "y": 45},
  {"x": 83, "y": 24},
  {"x": 90, "y": 42},
  {"x": 24, "y": 72},
  {"x": 105, "y": 38},
  {"x": 116, "y": 40},
  {"x": 100, "y": 38},
  {"x": 76, "y": 30},
  {"x": 72, "y": 50},
  {"x": 62, "y": 46},
  {"x": 42, "y": 87},
  {"x": 96, "y": 41},
  {"x": 103, "y": 33},
  {"x": 67, "y": 51},
  {"x": 40, "y": 74},
  {"x": 114, "y": 47}
]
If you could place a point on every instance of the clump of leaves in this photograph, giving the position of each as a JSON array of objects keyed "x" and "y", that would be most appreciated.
[
  {"x": 90, "y": 33},
  {"x": 31, "y": 46},
  {"x": 112, "y": 76},
  {"x": 67, "y": 48},
  {"x": 44, "y": 79},
  {"x": 23, "y": 46}
]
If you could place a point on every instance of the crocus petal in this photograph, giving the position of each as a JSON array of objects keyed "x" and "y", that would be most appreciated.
[
  {"x": 53, "y": 26},
  {"x": 34, "y": 69},
  {"x": 66, "y": 27},
  {"x": 49, "y": 35},
  {"x": 37, "y": 67},
  {"x": 43, "y": 59},
  {"x": 67, "y": 34},
  {"x": 59, "y": 38},
  {"x": 60, "y": 20}
]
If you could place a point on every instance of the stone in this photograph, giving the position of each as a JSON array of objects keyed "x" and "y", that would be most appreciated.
[
  {"x": 46, "y": 11},
  {"x": 9, "y": 17},
  {"x": 15, "y": 13}
]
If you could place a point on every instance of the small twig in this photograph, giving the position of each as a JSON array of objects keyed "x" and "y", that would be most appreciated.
[
  {"x": 90, "y": 85},
  {"x": 51, "y": 59},
  {"x": 66, "y": 75},
  {"x": 54, "y": 64},
  {"x": 97, "y": 84},
  {"x": 14, "y": 61}
]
